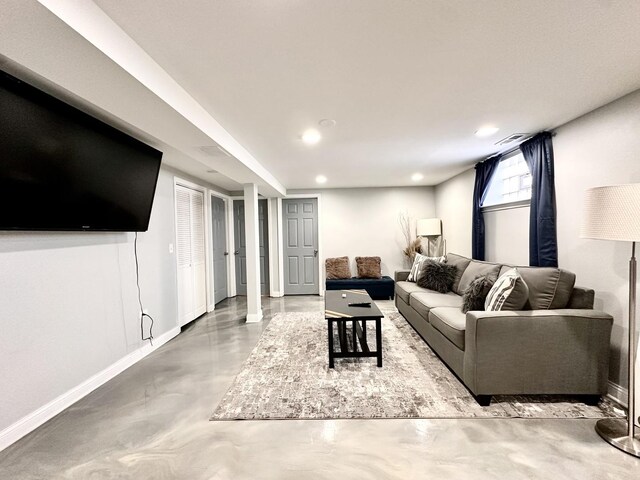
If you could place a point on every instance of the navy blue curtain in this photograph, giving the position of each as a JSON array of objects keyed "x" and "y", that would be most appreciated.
[
  {"x": 484, "y": 172},
  {"x": 543, "y": 243}
]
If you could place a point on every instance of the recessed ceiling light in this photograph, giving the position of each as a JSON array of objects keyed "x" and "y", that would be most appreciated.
[
  {"x": 321, "y": 179},
  {"x": 486, "y": 131},
  {"x": 416, "y": 177},
  {"x": 327, "y": 123},
  {"x": 311, "y": 137}
]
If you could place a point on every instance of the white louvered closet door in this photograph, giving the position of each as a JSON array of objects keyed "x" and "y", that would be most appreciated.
[
  {"x": 192, "y": 295},
  {"x": 197, "y": 253}
]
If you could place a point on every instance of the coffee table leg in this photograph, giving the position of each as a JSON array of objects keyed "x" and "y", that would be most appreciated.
[
  {"x": 330, "y": 330},
  {"x": 354, "y": 335},
  {"x": 379, "y": 340},
  {"x": 364, "y": 332}
]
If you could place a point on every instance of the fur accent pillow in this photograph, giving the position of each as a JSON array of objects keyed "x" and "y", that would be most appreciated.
[
  {"x": 368, "y": 267},
  {"x": 475, "y": 294},
  {"x": 437, "y": 276},
  {"x": 418, "y": 260},
  {"x": 337, "y": 268}
]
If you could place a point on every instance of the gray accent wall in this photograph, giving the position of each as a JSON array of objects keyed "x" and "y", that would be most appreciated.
[
  {"x": 599, "y": 148},
  {"x": 68, "y": 304}
]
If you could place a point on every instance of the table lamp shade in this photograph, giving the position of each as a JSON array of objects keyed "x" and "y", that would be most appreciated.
[
  {"x": 428, "y": 227},
  {"x": 612, "y": 213}
]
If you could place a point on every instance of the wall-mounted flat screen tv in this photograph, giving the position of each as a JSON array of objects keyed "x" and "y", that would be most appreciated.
[{"x": 62, "y": 169}]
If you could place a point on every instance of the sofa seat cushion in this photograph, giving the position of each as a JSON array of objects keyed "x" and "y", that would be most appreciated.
[
  {"x": 450, "y": 322},
  {"x": 404, "y": 289},
  {"x": 425, "y": 300}
]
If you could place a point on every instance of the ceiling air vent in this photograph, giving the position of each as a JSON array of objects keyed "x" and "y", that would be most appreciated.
[{"x": 512, "y": 138}]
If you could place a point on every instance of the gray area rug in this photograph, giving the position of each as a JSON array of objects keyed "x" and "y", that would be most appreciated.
[{"x": 287, "y": 377}]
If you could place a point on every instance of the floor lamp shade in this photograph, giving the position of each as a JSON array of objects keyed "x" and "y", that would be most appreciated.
[
  {"x": 429, "y": 227},
  {"x": 613, "y": 213}
]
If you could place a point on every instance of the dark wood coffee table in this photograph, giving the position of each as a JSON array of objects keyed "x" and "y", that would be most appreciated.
[{"x": 337, "y": 311}]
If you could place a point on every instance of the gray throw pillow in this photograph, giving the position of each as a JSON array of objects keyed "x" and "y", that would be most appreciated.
[
  {"x": 437, "y": 276},
  {"x": 475, "y": 294}
]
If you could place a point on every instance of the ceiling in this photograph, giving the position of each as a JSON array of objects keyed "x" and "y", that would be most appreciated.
[{"x": 408, "y": 83}]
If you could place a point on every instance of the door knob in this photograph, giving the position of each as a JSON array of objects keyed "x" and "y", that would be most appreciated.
[
  {"x": 315, "y": 253},
  {"x": 226, "y": 253},
  {"x": 236, "y": 252}
]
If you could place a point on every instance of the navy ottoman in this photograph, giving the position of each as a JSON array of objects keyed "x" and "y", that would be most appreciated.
[{"x": 377, "y": 288}]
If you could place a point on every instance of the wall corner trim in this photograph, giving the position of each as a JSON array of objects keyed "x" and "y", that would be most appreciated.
[
  {"x": 33, "y": 420},
  {"x": 618, "y": 394}
]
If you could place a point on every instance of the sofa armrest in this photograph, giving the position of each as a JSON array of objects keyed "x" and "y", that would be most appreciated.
[
  {"x": 401, "y": 275},
  {"x": 537, "y": 351},
  {"x": 581, "y": 298}
]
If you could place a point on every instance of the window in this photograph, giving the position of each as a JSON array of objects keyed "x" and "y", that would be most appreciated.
[{"x": 510, "y": 183}]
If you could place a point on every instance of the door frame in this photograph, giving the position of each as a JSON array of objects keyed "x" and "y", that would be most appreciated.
[
  {"x": 231, "y": 273},
  {"x": 207, "y": 236},
  {"x": 272, "y": 246},
  {"x": 321, "y": 274}
]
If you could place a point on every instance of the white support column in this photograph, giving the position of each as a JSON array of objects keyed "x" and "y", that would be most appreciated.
[{"x": 254, "y": 306}]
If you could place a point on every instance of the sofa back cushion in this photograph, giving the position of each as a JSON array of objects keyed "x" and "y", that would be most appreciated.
[
  {"x": 474, "y": 270},
  {"x": 549, "y": 287},
  {"x": 461, "y": 264}
]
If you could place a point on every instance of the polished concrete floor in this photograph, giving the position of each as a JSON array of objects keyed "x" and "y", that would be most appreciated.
[{"x": 151, "y": 422}]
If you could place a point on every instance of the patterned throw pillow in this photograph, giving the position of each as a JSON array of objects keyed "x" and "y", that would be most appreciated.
[
  {"x": 337, "y": 268},
  {"x": 510, "y": 292},
  {"x": 437, "y": 276},
  {"x": 368, "y": 267},
  {"x": 417, "y": 266},
  {"x": 476, "y": 294}
]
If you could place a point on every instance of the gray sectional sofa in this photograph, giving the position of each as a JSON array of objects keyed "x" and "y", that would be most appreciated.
[{"x": 557, "y": 345}]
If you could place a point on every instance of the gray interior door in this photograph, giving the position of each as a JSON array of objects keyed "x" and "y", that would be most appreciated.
[
  {"x": 240, "y": 251},
  {"x": 300, "y": 223},
  {"x": 220, "y": 253}
]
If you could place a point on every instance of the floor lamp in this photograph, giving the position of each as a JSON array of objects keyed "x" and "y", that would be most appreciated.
[
  {"x": 430, "y": 228},
  {"x": 613, "y": 213}
]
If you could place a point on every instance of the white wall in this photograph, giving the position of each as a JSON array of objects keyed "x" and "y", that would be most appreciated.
[
  {"x": 364, "y": 222},
  {"x": 454, "y": 205},
  {"x": 69, "y": 308},
  {"x": 507, "y": 236},
  {"x": 599, "y": 148}
]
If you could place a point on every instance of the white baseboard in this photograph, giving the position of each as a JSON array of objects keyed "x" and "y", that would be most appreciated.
[
  {"x": 33, "y": 420},
  {"x": 254, "y": 317},
  {"x": 618, "y": 394}
]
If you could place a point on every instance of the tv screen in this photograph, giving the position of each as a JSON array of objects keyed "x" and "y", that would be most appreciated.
[{"x": 61, "y": 169}]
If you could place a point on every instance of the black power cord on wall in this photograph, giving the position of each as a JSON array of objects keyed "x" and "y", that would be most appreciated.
[{"x": 142, "y": 314}]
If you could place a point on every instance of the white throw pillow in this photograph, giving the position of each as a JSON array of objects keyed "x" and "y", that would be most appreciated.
[
  {"x": 418, "y": 260},
  {"x": 510, "y": 292}
]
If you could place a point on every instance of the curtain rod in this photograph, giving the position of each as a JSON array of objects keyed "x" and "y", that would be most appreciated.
[{"x": 513, "y": 149}]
